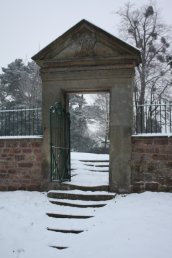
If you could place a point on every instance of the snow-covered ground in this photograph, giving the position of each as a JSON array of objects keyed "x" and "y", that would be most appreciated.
[
  {"x": 129, "y": 226},
  {"x": 84, "y": 174}
]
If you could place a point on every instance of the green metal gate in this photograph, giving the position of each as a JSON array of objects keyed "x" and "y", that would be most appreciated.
[{"x": 60, "y": 143}]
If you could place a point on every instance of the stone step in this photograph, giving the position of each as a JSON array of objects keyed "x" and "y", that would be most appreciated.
[
  {"x": 79, "y": 196},
  {"x": 59, "y": 247},
  {"x": 69, "y": 186},
  {"x": 98, "y": 166},
  {"x": 94, "y": 160},
  {"x": 95, "y": 170},
  {"x": 67, "y": 231},
  {"x": 78, "y": 205},
  {"x": 68, "y": 216}
]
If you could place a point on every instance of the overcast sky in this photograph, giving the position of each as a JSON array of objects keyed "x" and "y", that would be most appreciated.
[{"x": 26, "y": 26}]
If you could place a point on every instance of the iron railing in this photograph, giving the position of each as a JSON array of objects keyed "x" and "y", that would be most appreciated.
[
  {"x": 148, "y": 118},
  {"x": 153, "y": 118},
  {"x": 21, "y": 122}
]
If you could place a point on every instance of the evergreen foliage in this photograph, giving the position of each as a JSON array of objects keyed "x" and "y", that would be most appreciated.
[
  {"x": 80, "y": 140},
  {"x": 20, "y": 85}
]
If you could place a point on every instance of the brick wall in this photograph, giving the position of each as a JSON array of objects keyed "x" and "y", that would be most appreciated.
[
  {"x": 151, "y": 164},
  {"x": 20, "y": 164},
  {"x": 21, "y": 161}
]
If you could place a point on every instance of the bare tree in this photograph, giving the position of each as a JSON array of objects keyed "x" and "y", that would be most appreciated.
[{"x": 143, "y": 28}]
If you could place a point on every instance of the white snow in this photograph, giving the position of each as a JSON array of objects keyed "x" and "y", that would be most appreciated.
[
  {"x": 21, "y": 137},
  {"x": 153, "y": 135},
  {"x": 81, "y": 192},
  {"x": 88, "y": 156},
  {"x": 93, "y": 126},
  {"x": 78, "y": 201},
  {"x": 82, "y": 174},
  {"x": 129, "y": 226}
]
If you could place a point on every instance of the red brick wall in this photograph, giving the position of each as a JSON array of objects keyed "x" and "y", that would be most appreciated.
[
  {"x": 151, "y": 163},
  {"x": 20, "y": 164}
]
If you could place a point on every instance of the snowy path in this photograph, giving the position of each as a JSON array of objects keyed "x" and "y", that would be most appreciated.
[
  {"x": 83, "y": 174},
  {"x": 137, "y": 225}
]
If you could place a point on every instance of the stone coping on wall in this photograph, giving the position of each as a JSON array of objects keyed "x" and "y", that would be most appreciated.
[
  {"x": 153, "y": 135},
  {"x": 21, "y": 137}
]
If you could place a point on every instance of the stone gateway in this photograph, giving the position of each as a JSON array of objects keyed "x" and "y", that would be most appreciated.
[{"x": 88, "y": 59}]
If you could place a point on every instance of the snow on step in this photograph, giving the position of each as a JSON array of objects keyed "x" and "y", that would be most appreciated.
[
  {"x": 80, "y": 201},
  {"x": 82, "y": 176},
  {"x": 59, "y": 247},
  {"x": 71, "y": 210},
  {"x": 65, "y": 231},
  {"x": 102, "y": 170},
  {"x": 66, "y": 186},
  {"x": 60, "y": 209},
  {"x": 68, "y": 216},
  {"x": 88, "y": 156},
  {"x": 95, "y": 161},
  {"x": 94, "y": 168},
  {"x": 80, "y": 195},
  {"x": 77, "y": 205},
  {"x": 68, "y": 224},
  {"x": 96, "y": 165},
  {"x": 87, "y": 178},
  {"x": 59, "y": 239},
  {"x": 81, "y": 192}
]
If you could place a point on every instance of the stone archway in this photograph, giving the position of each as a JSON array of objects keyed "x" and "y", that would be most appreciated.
[{"x": 86, "y": 58}]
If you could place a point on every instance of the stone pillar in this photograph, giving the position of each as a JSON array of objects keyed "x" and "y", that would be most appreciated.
[
  {"x": 50, "y": 95},
  {"x": 120, "y": 136}
]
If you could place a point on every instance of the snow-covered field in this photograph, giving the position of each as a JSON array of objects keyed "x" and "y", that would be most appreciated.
[{"x": 131, "y": 226}]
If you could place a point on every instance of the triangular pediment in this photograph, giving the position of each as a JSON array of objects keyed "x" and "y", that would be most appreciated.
[
  {"x": 85, "y": 45},
  {"x": 85, "y": 41}
]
